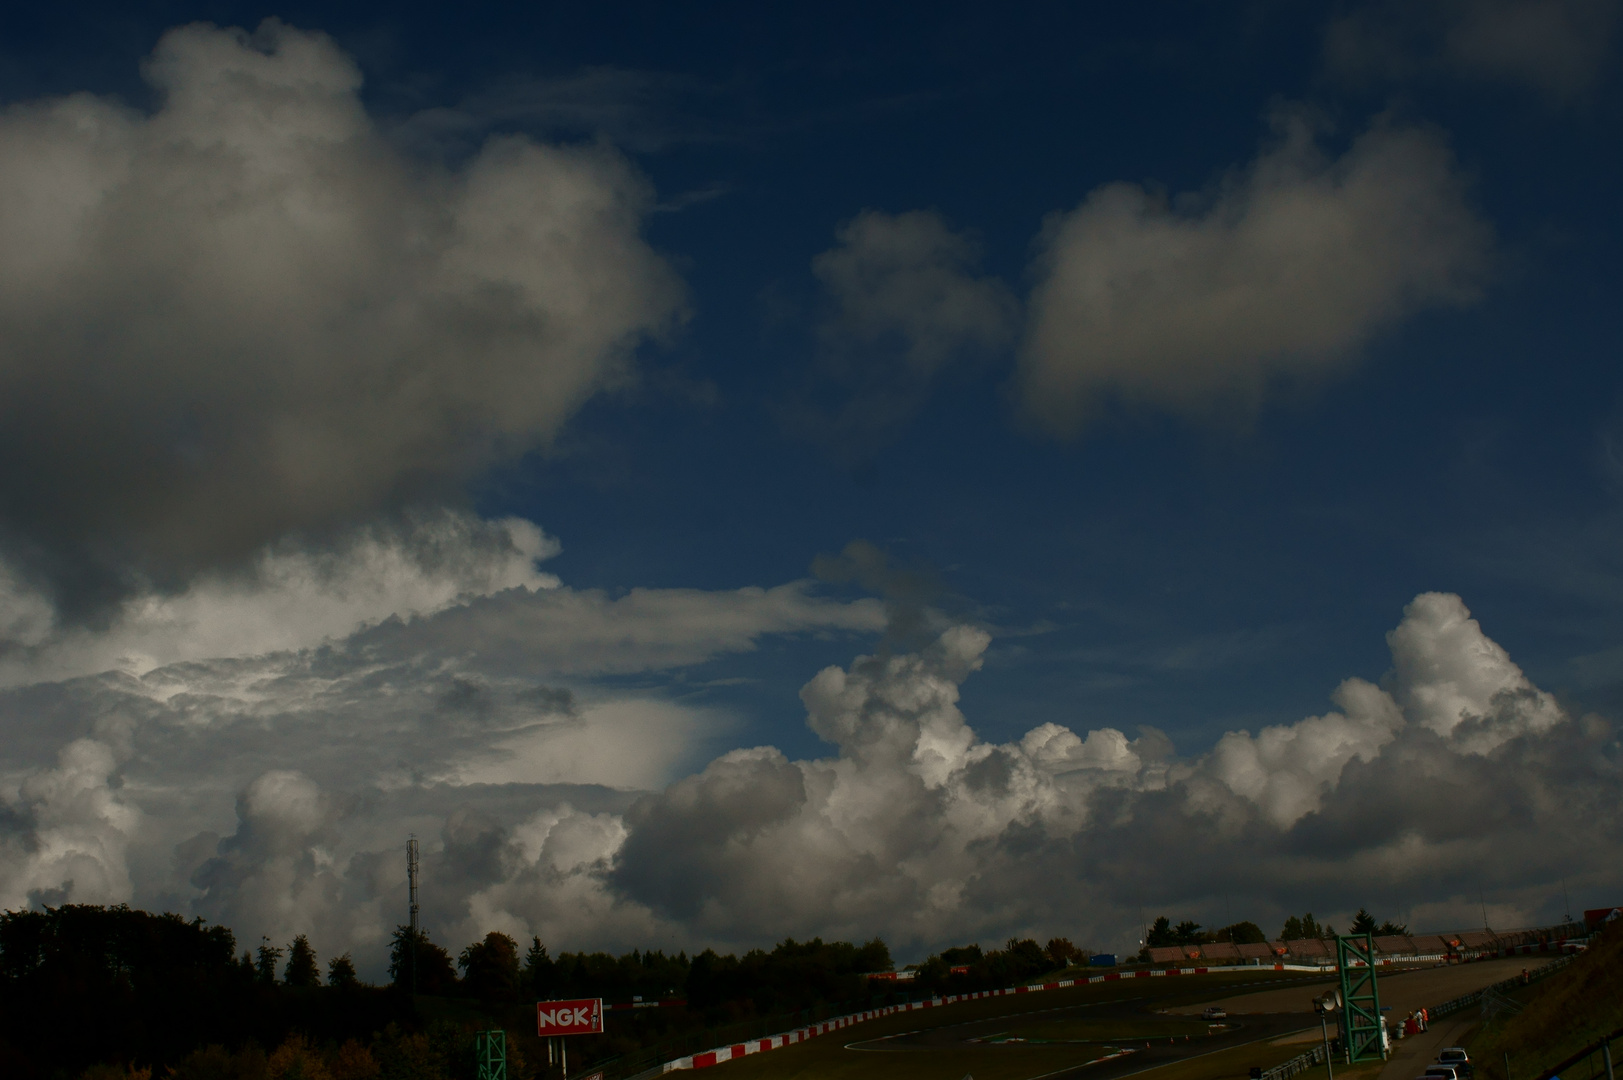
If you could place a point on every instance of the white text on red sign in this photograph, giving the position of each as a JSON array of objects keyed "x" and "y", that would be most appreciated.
[{"x": 580, "y": 1017}]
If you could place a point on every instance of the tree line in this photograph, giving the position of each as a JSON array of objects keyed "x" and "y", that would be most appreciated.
[
  {"x": 115, "y": 993},
  {"x": 102, "y": 992},
  {"x": 1164, "y": 933},
  {"x": 967, "y": 968},
  {"x": 792, "y": 975},
  {"x": 86, "y": 989}
]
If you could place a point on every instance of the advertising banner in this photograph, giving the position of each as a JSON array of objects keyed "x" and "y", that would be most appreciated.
[{"x": 583, "y": 1016}]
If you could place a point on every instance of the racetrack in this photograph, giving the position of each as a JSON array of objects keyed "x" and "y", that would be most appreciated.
[
  {"x": 1403, "y": 991},
  {"x": 1051, "y": 1034},
  {"x": 1105, "y": 1031}
]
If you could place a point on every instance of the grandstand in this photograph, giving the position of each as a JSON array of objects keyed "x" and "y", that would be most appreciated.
[{"x": 1457, "y": 945}]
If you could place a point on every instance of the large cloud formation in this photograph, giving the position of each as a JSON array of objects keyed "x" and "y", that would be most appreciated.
[
  {"x": 273, "y": 792},
  {"x": 918, "y": 826},
  {"x": 247, "y": 313},
  {"x": 207, "y": 752},
  {"x": 1204, "y": 302}
]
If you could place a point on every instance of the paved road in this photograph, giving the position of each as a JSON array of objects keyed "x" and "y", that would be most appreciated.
[
  {"x": 1411, "y": 1055},
  {"x": 1145, "y": 1054},
  {"x": 1404, "y": 991}
]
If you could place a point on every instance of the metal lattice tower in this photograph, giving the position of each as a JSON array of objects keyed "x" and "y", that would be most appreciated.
[
  {"x": 1361, "y": 1000},
  {"x": 490, "y": 1054},
  {"x": 411, "y": 880},
  {"x": 411, "y": 884}
]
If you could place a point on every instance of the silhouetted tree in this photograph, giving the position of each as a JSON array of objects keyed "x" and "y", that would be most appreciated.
[
  {"x": 1305, "y": 927},
  {"x": 1029, "y": 953},
  {"x": 1161, "y": 934},
  {"x": 341, "y": 972},
  {"x": 1061, "y": 952},
  {"x": 539, "y": 970},
  {"x": 268, "y": 956},
  {"x": 490, "y": 967},
  {"x": 301, "y": 964},
  {"x": 1242, "y": 933},
  {"x": 434, "y": 972},
  {"x": 874, "y": 956},
  {"x": 1186, "y": 933}
]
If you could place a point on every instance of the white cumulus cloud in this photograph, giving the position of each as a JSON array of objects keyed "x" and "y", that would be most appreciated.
[
  {"x": 290, "y": 597},
  {"x": 274, "y": 793},
  {"x": 76, "y": 848},
  {"x": 247, "y": 313},
  {"x": 1203, "y": 303},
  {"x": 1451, "y": 678}
]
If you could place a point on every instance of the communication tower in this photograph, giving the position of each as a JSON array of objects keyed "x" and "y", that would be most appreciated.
[
  {"x": 411, "y": 880},
  {"x": 411, "y": 884}
]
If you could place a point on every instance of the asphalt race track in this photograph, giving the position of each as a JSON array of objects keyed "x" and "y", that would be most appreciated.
[
  {"x": 1102, "y": 1059},
  {"x": 1105, "y": 1031}
]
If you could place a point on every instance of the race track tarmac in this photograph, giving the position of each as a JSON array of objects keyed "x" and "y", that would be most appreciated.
[
  {"x": 1119, "y": 1057},
  {"x": 1403, "y": 991}
]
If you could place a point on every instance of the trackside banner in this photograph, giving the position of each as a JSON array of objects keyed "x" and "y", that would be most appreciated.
[{"x": 581, "y": 1017}]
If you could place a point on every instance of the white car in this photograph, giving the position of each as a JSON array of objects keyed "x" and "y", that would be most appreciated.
[
  {"x": 1456, "y": 1058},
  {"x": 1215, "y": 1012}
]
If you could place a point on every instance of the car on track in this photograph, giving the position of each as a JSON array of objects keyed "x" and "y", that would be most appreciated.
[
  {"x": 1445, "y": 1072},
  {"x": 1215, "y": 1012}
]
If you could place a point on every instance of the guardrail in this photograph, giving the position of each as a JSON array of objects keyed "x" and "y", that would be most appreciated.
[
  {"x": 1465, "y": 1001},
  {"x": 1297, "y": 1064},
  {"x": 1315, "y": 1056}
]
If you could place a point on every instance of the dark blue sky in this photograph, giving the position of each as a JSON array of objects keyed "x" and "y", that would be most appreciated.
[
  {"x": 1159, "y": 366},
  {"x": 1197, "y": 574}
]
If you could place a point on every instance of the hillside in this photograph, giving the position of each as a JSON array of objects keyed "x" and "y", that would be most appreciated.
[{"x": 1560, "y": 1016}]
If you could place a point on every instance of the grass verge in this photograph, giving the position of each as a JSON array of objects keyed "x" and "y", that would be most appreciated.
[{"x": 1559, "y": 1016}]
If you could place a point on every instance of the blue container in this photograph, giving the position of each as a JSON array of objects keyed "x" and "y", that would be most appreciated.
[{"x": 1104, "y": 959}]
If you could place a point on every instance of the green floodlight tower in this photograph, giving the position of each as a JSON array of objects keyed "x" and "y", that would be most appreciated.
[
  {"x": 490, "y": 1054},
  {"x": 1361, "y": 1000}
]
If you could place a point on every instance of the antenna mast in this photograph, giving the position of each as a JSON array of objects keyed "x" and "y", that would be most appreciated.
[{"x": 411, "y": 882}]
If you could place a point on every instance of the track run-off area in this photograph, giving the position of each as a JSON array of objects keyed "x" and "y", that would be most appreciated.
[{"x": 1105, "y": 1031}]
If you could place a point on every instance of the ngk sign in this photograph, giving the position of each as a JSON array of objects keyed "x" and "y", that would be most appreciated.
[{"x": 583, "y": 1017}]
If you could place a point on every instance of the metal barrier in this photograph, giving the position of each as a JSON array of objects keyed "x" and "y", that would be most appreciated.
[
  {"x": 1303, "y": 1062},
  {"x": 1465, "y": 1001},
  {"x": 1299, "y": 1063}
]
